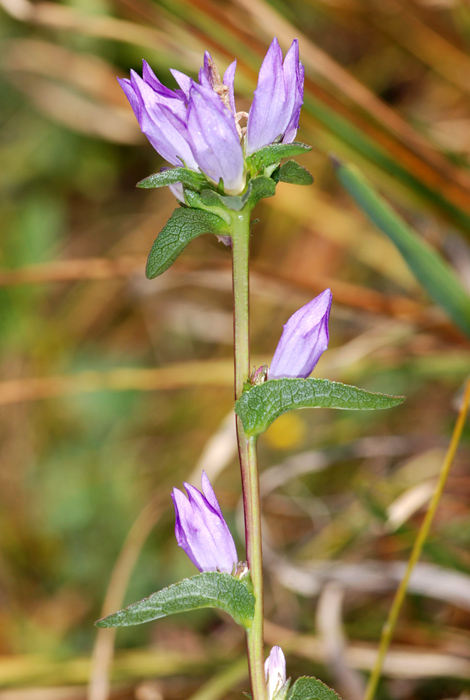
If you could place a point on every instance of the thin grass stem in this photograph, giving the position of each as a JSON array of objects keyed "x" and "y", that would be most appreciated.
[{"x": 389, "y": 627}]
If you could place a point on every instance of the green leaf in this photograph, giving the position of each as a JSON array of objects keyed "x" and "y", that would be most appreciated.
[
  {"x": 294, "y": 173},
  {"x": 433, "y": 273},
  {"x": 182, "y": 227},
  {"x": 274, "y": 153},
  {"x": 171, "y": 176},
  {"x": 262, "y": 404},
  {"x": 211, "y": 589},
  {"x": 309, "y": 688},
  {"x": 258, "y": 188}
]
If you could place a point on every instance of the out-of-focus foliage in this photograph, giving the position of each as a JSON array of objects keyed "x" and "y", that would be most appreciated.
[{"x": 114, "y": 388}]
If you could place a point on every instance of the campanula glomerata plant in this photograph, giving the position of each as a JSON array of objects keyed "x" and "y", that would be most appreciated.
[{"x": 223, "y": 163}]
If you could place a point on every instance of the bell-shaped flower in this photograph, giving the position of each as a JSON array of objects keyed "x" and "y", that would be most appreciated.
[
  {"x": 214, "y": 140},
  {"x": 275, "y": 673},
  {"x": 194, "y": 126},
  {"x": 303, "y": 340},
  {"x": 274, "y": 114},
  {"x": 201, "y": 530}
]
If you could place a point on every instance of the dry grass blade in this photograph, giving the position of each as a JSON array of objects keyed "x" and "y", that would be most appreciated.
[
  {"x": 271, "y": 22},
  {"x": 64, "y": 693},
  {"x": 72, "y": 19},
  {"x": 129, "y": 379},
  {"x": 103, "y": 650},
  {"x": 87, "y": 72},
  {"x": 422, "y": 41},
  {"x": 330, "y": 629},
  {"x": 73, "y": 270},
  {"x": 223, "y": 682},
  {"x": 78, "y": 112},
  {"x": 401, "y": 663},
  {"x": 389, "y": 627}
]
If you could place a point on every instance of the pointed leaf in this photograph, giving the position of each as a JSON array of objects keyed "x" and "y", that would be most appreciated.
[
  {"x": 182, "y": 227},
  {"x": 171, "y": 176},
  {"x": 262, "y": 404},
  {"x": 294, "y": 173},
  {"x": 274, "y": 153},
  {"x": 258, "y": 189},
  {"x": 432, "y": 271},
  {"x": 210, "y": 589},
  {"x": 309, "y": 688}
]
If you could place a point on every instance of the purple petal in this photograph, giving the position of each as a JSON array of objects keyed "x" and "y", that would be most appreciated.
[
  {"x": 151, "y": 97},
  {"x": 151, "y": 79},
  {"x": 219, "y": 547},
  {"x": 209, "y": 493},
  {"x": 176, "y": 129},
  {"x": 293, "y": 125},
  {"x": 290, "y": 70},
  {"x": 166, "y": 135},
  {"x": 183, "y": 516},
  {"x": 201, "y": 530},
  {"x": 205, "y": 72},
  {"x": 161, "y": 121},
  {"x": 263, "y": 121},
  {"x": 183, "y": 80},
  {"x": 304, "y": 339},
  {"x": 193, "y": 535},
  {"x": 214, "y": 139},
  {"x": 229, "y": 79},
  {"x": 277, "y": 99},
  {"x": 131, "y": 96}
]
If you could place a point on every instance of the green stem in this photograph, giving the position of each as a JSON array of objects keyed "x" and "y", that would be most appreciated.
[
  {"x": 247, "y": 449},
  {"x": 389, "y": 627}
]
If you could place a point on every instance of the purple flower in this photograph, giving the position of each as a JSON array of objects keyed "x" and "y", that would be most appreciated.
[
  {"x": 197, "y": 125},
  {"x": 201, "y": 530},
  {"x": 275, "y": 672},
  {"x": 303, "y": 340},
  {"x": 274, "y": 114},
  {"x": 194, "y": 126}
]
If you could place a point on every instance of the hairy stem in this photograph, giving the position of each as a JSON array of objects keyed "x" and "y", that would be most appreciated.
[
  {"x": 247, "y": 449},
  {"x": 389, "y": 627}
]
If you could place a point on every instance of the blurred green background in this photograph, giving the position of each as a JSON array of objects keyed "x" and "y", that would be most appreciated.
[{"x": 114, "y": 389}]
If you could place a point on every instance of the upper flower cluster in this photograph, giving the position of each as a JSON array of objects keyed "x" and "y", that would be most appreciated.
[{"x": 198, "y": 127}]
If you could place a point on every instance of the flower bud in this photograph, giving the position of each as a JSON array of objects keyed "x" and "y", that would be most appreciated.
[
  {"x": 304, "y": 339},
  {"x": 201, "y": 530},
  {"x": 275, "y": 673}
]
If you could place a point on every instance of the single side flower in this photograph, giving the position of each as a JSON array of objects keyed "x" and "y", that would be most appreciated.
[
  {"x": 275, "y": 673},
  {"x": 195, "y": 126},
  {"x": 201, "y": 530},
  {"x": 304, "y": 339},
  {"x": 274, "y": 114}
]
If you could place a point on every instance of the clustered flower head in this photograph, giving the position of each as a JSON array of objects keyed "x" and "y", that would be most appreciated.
[
  {"x": 303, "y": 340},
  {"x": 201, "y": 529},
  {"x": 275, "y": 673},
  {"x": 197, "y": 126}
]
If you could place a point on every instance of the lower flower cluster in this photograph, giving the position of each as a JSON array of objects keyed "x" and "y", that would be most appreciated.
[{"x": 201, "y": 531}]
